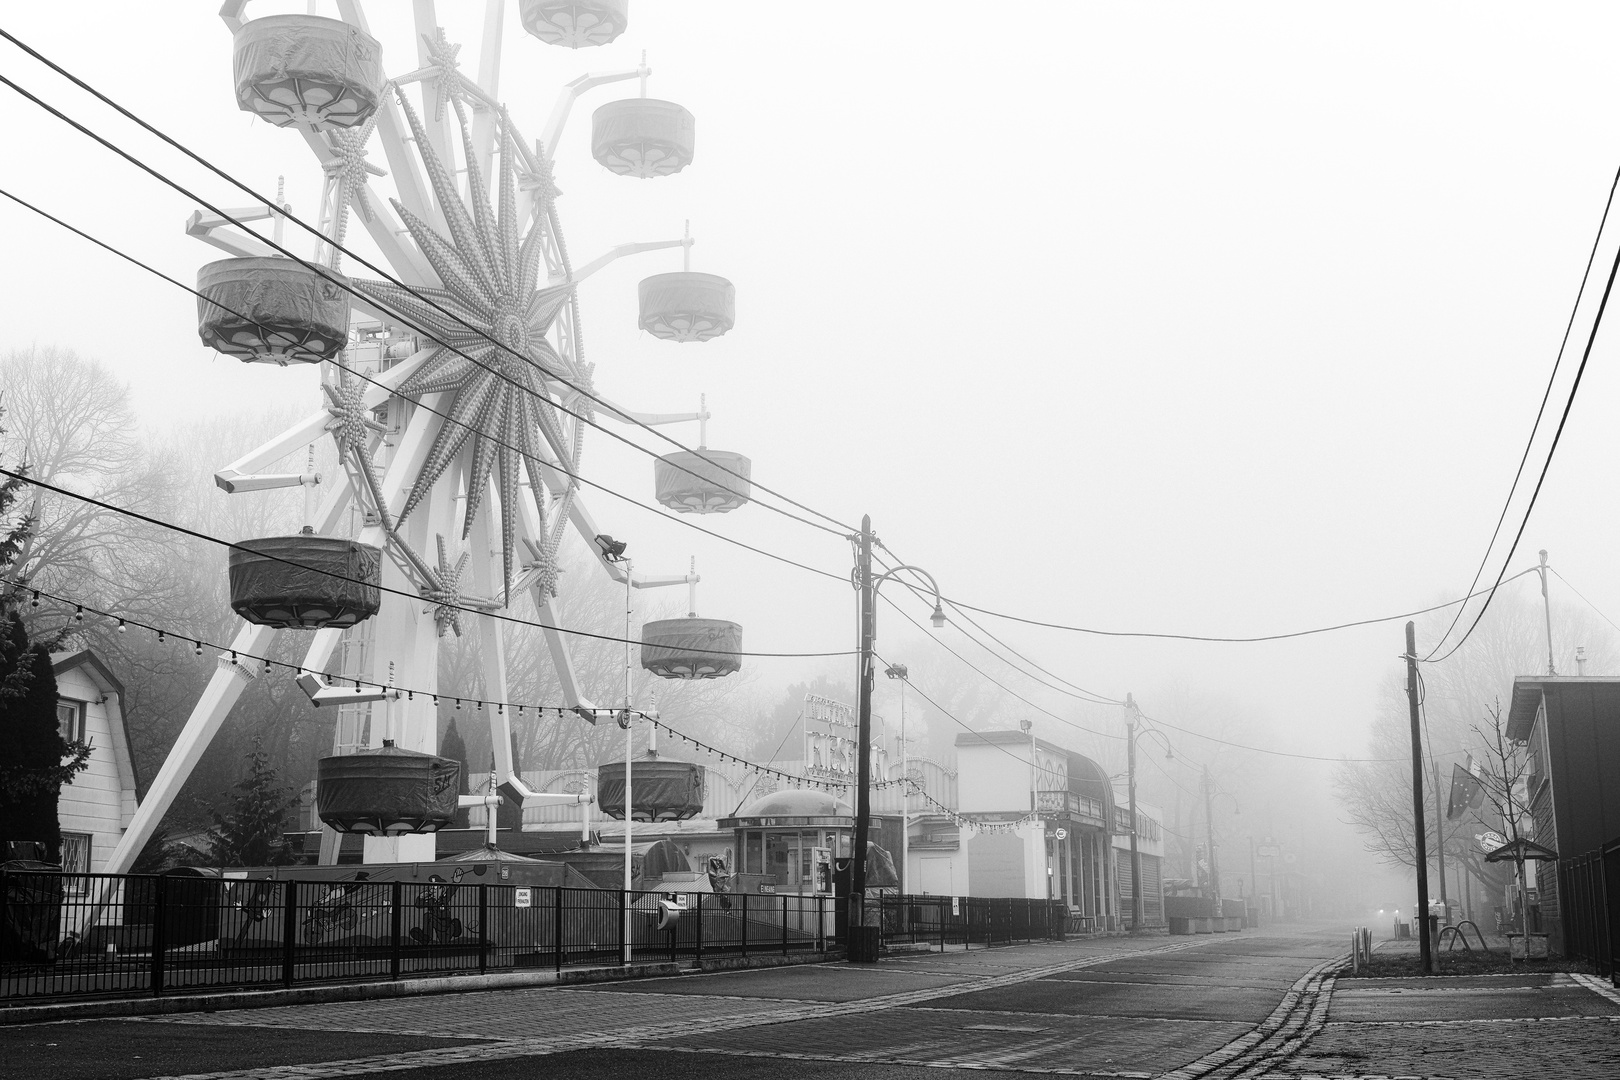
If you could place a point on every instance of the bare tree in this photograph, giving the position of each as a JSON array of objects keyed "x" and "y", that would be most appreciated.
[
  {"x": 71, "y": 422},
  {"x": 1376, "y": 795}
]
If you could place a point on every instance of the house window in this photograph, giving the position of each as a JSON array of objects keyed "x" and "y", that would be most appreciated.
[
  {"x": 75, "y": 853},
  {"x": 70, "y": 720}
]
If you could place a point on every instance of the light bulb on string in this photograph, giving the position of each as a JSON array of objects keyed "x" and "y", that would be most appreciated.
[
  {"x": 35, "y": 601},
  {"x": 198, "y": 648},
  {"x": 121, "y": 626},
  {"x": 78, "y": 613}
]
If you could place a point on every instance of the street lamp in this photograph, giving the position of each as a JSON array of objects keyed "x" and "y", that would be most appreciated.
[
  {"x": 1209, "y": 824},
  {"x": 868, "y": 586},
  {"x": 901, "y": 672},
  {"x": 1133, "y": 717}
]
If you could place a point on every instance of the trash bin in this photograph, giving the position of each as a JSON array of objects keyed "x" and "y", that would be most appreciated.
[{"x": 864, "y": 942}]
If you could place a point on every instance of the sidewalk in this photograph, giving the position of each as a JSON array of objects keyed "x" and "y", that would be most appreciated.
[{"x": 1547, "y": 1024}]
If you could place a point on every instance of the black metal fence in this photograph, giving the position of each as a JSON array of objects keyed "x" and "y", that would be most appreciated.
[
  {"x": 1589, "y": 899},
  {"x": 81, "y": 935},
  {"x": 970, "y": 920}
]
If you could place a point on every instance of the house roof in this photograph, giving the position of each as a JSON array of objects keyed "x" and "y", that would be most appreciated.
[
  {"x": 1528, "y": 691},
  {"x": 111, "y": 685}
]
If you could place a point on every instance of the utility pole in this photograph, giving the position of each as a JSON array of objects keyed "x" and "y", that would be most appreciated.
[
  {"x": 629, "y": 752},
  {"x": 863, "y": 767},
  {"x": 1419, "y": 830},
  {"x": 1546, "y": 607},
  {"x": 1136, "y": 856},
  {"x": 1254, "y": 884},
  {"x": 1209, "y": 826}
]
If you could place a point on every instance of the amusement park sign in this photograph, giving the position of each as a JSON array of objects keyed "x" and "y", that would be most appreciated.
[{"x": 830, "y": 739}]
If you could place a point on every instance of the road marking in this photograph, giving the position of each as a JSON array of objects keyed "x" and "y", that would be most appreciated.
[
  {"x": 1301, "y": 1013},
  {"x": 651, "y": 1033},
  {"x": 1599, "y": 987}
]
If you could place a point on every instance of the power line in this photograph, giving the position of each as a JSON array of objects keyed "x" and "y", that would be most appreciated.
[
  {"x": 499, "y": 617},
  {"x": 1588, "y": 603},
  {"x": 343, "y": 283},
  {"x": 1088, "y": 696},
  {"x": 677, "y": 518},
  {"x": 1563, "y": 419},
  {"x": 990, "y": 678},
  {"x": 1211, "y": 638},
  {"x": 1586, "y": 276}
]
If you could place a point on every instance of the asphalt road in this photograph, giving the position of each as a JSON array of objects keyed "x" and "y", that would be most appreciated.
[{"x": 1109, "y": 1006}]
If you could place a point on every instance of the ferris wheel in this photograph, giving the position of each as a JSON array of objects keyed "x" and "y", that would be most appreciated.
[{"x": 455, "y": 388}]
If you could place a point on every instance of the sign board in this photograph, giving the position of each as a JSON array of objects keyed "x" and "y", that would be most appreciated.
[
  {"x": 523, "y": 897},
  {"x": 768, "y": 888},
  {"x": 956, "y": 906},
  {"x": 1060, "y": 834},
  {"x": 1268, "y": 851},
  {"x": 1490, "y": 841},
  {"x": 831, "y": 740}
]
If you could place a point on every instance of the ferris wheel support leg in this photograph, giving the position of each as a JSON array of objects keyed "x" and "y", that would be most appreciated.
[
  {"x": 492, "y": 654},
  {"x": 215, "y": 704},
  {"x": 489, "y": 80}
]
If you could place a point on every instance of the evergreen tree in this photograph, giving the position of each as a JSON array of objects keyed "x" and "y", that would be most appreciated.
[
  {"x": 453, "y": 747},
  {"x": 37, "y": 761},
  {"x": 251, "y": 832}
]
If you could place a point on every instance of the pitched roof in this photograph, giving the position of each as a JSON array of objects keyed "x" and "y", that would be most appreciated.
[{"x": 111, "y": 685}]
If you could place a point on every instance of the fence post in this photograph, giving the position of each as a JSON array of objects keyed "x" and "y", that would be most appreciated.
[
  {"x": 557, "y": 929},
  {"x": 483, "y": 924},
  {"x": 784, "y": 924},
  {"x": 624, "y": 944},
  {"x": 699, "y": 906},
  {"x": 159, "y": 935},
  {"x": 395, "y": 924},
  {"x": 289, "y": 929}
]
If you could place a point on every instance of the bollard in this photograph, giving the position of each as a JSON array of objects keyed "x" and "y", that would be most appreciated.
[{"x": 1355, "y": 949}]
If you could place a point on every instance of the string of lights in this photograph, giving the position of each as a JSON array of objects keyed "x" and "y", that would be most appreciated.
[
  {"x": 361, "y": 375},
  {"x": 437, "y": 603},
  {"x": 963, "y": 821},
  {"x": 794, "y": 779},
  {"x": 76, "y": 611}
]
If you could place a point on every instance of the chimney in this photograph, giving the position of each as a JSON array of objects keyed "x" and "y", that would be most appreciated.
[{"x": 1580, "y": 659}]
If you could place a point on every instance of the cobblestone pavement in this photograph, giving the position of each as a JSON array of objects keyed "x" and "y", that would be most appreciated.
[
  {"x": 1562, "y": 1027},
  {"x": 1183, "y": 1008}
]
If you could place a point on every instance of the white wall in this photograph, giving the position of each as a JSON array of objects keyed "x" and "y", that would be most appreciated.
[
  {"x": 993, "y": 778},
  {"x": 97, "y": 802}
]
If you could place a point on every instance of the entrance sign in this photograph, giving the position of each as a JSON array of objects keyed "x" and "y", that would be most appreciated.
[{"x": 524, "y": 897}]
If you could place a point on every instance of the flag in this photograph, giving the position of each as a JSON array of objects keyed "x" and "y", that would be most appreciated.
[{"x": 1466, "y": 792}]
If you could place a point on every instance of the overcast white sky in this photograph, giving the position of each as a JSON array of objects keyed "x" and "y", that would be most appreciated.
[{"x": 1215, "y": 318}]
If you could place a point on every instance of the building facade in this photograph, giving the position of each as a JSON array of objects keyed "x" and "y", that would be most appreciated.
[
  {"x": 96, "y": 807},
  {"x": 1570, "y": 726}
]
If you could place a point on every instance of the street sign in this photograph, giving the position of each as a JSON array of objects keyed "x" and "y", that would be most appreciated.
[
  {"x": 524, "y": 897},
  {"x": 1268, "y": 851}
]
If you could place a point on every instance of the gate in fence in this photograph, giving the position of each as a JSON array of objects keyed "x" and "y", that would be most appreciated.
[{"x": 1589, "y": 899}]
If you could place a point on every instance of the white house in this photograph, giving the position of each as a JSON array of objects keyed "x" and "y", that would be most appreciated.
[{"x": 97, "y": 806}]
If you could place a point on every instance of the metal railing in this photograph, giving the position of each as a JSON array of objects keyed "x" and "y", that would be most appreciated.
[
  {"x": 86, "y": 935},
  {"x": 970, "y": 920},
  {"x": 1589, "y": 902}
]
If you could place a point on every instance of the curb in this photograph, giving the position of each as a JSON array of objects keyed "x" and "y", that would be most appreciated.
[{"x": 375, "y": 991}]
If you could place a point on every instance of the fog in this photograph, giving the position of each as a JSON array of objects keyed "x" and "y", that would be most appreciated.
[{"x": 1226, "y": 320}]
